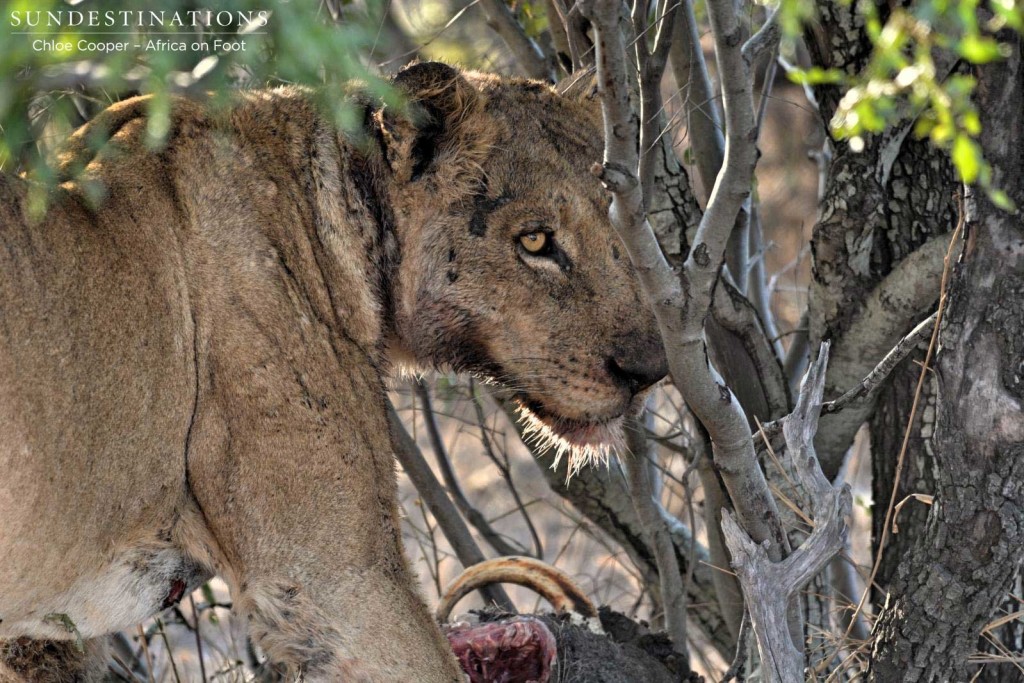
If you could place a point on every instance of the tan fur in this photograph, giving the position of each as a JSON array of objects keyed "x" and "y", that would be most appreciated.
[{"x": 191, "y": 371}]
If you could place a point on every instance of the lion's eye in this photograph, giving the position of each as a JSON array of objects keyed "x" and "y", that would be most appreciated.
[{"x": 537, "y": 243}]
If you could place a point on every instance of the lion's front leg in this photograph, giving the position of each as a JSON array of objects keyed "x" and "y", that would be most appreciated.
[
  {"x": 300, "y": 496},
  {"x": 372, "y": 629}
]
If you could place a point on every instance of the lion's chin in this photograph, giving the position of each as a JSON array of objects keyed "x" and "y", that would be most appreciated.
[{"x": 582, "y": 442}]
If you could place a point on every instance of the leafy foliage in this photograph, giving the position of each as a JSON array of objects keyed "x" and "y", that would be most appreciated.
[
  {"x": 917, "y": 72},
  {"x": 46, "y": 90}
]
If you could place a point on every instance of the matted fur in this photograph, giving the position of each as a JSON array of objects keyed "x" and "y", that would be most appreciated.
[{"x": 191, "y": 369}]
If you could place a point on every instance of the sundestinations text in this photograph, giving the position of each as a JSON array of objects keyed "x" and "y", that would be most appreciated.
[{"x": 136, "y": 18}]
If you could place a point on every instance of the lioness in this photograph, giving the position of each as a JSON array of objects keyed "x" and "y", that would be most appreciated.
[{"x": 191, "y": 370}]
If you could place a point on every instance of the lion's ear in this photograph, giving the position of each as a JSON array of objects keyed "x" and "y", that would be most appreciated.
[
  {"x": 437, "y": 126},
  {"x": 581, "y": 85}
]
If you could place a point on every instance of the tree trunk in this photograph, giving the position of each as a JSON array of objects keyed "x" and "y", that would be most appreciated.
[
  {"x": 960, "y": 569},
  {"x": 880, "y": 205},
  {"x": 887, "y": 428}
]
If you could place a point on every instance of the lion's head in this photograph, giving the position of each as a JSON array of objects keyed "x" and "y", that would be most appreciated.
[{"x": 509, "y": 265}]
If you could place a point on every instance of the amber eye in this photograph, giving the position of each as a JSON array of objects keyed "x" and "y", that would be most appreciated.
[{"x": 535, "y": 242}]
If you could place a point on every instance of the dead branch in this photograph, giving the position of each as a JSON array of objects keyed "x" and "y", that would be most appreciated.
[
  {"x": 769, "y": 586},
  {"x": 867, "y": 389},
  {"x": 670, "y": 579},
  {"x": 451, "y": 482},
  {"x": 528, "y": 56}
]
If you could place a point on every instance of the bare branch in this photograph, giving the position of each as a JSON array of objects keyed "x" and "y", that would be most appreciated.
[
  {"x": 732, "y": 186},
  {"x": 652, "y": 70},
  {"x": 795, "y": 361},
  {"x": 764, "y": 41},
  {"x": 769, "y": 586},
  {"x": 560, "y": 37},
  {"x": 739, "y": 662},
  {"x": 432, "y": 493},
  {"x": 910, "y": 290},
  {"x": 867, "y": 389},
  {"x": 602, "y": 496},
  {"x": 506, "y": 473},
  {"x": 451, "y": 482},
  {"x": 581, "y": 51},
  {"x": 528, "y": 55},
  {"x": 702, "y": 118},
  {"x": 648, "y": 511},
  {"x": 727, "y": 589},
  {"x": 745, "y": 355}
]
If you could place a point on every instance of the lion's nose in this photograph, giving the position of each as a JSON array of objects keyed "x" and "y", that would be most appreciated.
[{"x": 637, "y": 371}]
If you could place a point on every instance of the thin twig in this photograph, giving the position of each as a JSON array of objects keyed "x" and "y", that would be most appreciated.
[
  {"x": 144, "y": 640},
  {"x": 867, "y": 388},
  {"x": 199, "y": 638},
  {"x": 170, "y": 650},
  {"x": 432, "y": 493},
  {"x": 505, "y": 471},
  {"x": 739, "y": 662},
  {"x": 451, "y": 482}
]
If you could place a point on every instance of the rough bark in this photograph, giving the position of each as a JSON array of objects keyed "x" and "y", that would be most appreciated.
[
  {"x": 887, "y": 427},
  {"x": 868, "y": 226},
  {"x": 880, "y": 205},
  {"x": 962, "y": 565}
]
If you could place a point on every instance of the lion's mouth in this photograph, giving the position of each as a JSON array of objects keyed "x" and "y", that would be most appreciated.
[{"x": 582, "y": 442}]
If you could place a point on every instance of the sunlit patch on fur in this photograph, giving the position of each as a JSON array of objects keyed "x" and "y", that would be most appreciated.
[{"x": 583, "y": 443}]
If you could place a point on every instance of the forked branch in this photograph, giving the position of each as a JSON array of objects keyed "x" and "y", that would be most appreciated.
[
  {"x": 769, "y": 586},
  {"x": 680, "y": 312}
]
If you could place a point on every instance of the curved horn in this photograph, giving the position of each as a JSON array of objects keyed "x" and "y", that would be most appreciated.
[{"x": 552, "y": 584}]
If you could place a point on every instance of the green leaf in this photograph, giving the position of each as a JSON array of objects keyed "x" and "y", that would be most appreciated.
[
  {"x": 967, "y": 158},
  {"x": 1001, "y": 199},
  {"x": 971, "y": 123},
  {"x": 980, "y": 50},
  {"x": 816, "y": 76},
  {"x": 1009, "y": 13}
]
